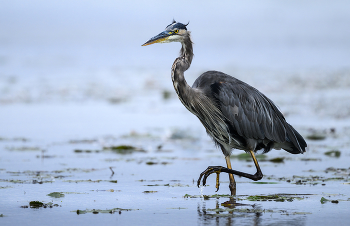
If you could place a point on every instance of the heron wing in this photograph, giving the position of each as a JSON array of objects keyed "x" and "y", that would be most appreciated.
[{"x": 251, "y": 114}]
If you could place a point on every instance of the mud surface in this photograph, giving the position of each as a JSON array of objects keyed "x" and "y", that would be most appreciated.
[{"x": 54, "y": 181}]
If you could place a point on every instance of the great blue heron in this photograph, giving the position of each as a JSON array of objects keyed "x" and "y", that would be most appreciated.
[{"x": 234, "y": 114}]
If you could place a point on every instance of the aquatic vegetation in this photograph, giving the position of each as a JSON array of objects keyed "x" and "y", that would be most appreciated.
[
  {"x": 166, "y": 94},
  {"x": 142, "y": 180},
  {"x": 123, "y": 149},
  {"x": 56, "y": 195},
  {"x": 76, "y": 170},
  {"x": 277, "y": 160},
  {"x": 247, "y": 157},
  {"x": 296, "y": 213},
  {"x": 240, "y": 210},
  {"x": 97, "y": 211},
  {"x": 324, "y": 200},
  {"x": 86, "y": 151},
  {"x": 35, "y": 204},
  {"x": 179, "y": 185},
  {"x": 316, "y": 136},
  {"x": 338, "y": 175},
  {"x": 216, "y": 196},
  {"x": 167, "y": 185},
  {"x": 38, "y": 204},
  {"x": 333, "y": 153},
  {"x": 255, "y": 198},
  {"x": 334, "y": 170},
  {"x": 310, "y": 159},
  {"x": 4, "y": 187},
  {"x": 156, "y": 163},
  {"x": 26, "y": 181},
  {"x": 275, "y": 197}
]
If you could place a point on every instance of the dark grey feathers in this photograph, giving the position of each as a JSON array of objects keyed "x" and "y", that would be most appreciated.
[{"x": 251, "y": 116}]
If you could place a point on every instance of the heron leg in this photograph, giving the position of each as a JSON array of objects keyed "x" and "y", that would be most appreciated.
[
  {"x": 232, "y": 184},
  {"x": 258, "y": 173}
]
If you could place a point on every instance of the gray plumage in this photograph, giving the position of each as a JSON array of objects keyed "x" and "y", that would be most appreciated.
[
  {"x": 234, "y": 114},
  {"x": 253, "y": 121}
]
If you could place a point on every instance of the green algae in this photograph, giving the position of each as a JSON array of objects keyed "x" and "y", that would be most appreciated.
[
  {"x": 86, "y": 151},
  {"x": 35, "y": 204},
  {"x": 324, "y": 200},
  {"x": 56, "y": 195},
  {"x": 316, "y": 136},
  {"x": 247, "y": 157},
  {"x": 333, "y": 153},
  {"x": 276, "y": 198},
  {"x": 166, "y": 94},
  {"x": 124, "y": 149},
  {"x": 38, "y": 204},
  {"x": 4, "y": 187},
  {"x": 277, "y": 160},
  {"x": 263, "y": 182},
  {"x": 96, "y": 211},
  {"x": 207, "y": 196}
]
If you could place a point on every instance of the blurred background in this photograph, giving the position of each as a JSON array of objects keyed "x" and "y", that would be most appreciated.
[
  {"x": 77, "y": 68},
  {"x": 80, "y": 97}
]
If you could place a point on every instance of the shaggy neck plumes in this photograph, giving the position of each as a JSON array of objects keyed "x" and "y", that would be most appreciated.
[
  {"x": 180, "y": 65},
  {"x": 186, "y": 51}
]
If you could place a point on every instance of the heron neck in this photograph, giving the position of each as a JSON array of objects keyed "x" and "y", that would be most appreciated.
[
  {"x": 186, "y": 51},
  {"x": 180, "y": 65}
]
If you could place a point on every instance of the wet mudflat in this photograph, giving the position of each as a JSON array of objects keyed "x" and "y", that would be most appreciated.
[{"x": 149, "y": 177}]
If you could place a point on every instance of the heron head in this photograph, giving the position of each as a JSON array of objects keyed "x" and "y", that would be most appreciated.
[{"x": 174, "y": 32}]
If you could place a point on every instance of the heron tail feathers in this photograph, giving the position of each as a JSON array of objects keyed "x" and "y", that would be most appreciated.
[{"x": 297, "y": 142}]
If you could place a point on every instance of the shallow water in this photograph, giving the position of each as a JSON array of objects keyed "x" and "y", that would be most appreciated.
[
  {"x": 73, "y": 86},
  {"x": 156, "y": 184}
]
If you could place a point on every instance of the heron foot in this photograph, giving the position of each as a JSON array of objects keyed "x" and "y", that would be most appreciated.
[
  {"x": 219, "y": 169},
  {"x": 205, "y": 174}
]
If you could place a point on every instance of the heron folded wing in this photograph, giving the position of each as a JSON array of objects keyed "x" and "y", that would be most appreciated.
[{"x": 251, "y": 113}]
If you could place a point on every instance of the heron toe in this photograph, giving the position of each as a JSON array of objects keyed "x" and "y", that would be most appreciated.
[{"x": 206, "y": 173}]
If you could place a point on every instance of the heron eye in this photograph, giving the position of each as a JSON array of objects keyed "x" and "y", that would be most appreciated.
[{"x": 176, "y": 31}]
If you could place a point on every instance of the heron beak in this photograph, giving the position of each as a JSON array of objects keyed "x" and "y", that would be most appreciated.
[{"x": 160, "y": 38}]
